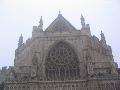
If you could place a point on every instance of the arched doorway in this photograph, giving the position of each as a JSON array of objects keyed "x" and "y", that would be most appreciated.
[{"x": 62, "y": 63}]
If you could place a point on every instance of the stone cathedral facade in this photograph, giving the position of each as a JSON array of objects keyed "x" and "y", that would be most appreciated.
[{"x": 62, "y": 57}]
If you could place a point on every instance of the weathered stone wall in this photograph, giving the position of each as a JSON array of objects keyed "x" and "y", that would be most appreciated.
[
  {"x": 96, "y": 63},
  {"x": 41, "y": 45},
  {"x": 65, "y": 85},
  {"x": 91, "y": 53}
]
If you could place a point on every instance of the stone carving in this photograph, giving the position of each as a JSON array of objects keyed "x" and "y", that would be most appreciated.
[
  {"x": 82, "y": 21},
  {"x": 20, "y": 42},
  {"x": 63, "y": 65},
  {"x": 34, "y": 68},
  {"x": 103, "y": 40},
  {"x": 62, "y": 62},
  {"x": 89, "y": 63}
]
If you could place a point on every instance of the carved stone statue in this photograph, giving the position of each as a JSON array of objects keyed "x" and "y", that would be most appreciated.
[
  {"x": 34, "y": 66},
  {"x": 89, "y": 64},
  {"x": 20, "y": 42},
  {"x": 82, "y": 21}
]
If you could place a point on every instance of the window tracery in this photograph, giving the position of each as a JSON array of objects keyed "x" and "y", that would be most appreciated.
[{"x": 62, "y": 63}]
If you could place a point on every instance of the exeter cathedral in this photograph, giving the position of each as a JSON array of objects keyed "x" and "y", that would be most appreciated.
[{"x": 62, "y": 57}]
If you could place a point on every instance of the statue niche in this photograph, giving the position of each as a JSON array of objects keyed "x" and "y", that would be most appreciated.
[{"x": 62, "y": 63}]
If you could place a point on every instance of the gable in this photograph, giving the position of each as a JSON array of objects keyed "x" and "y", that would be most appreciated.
[{"x": 60, "y": 24}]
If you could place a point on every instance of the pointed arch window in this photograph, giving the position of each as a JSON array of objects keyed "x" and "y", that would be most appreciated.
[{"x": 62, "y": 63}]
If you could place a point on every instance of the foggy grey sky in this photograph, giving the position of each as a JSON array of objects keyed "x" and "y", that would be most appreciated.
[{"x": 19, "y": 16}]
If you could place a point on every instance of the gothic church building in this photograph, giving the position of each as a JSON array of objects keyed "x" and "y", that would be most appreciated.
[{"x": 62, "y": 57}]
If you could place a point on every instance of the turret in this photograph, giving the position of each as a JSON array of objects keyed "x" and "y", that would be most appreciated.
[
  {"x": 20, "y": 42},
  {"x": 40, "y": 27}
]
